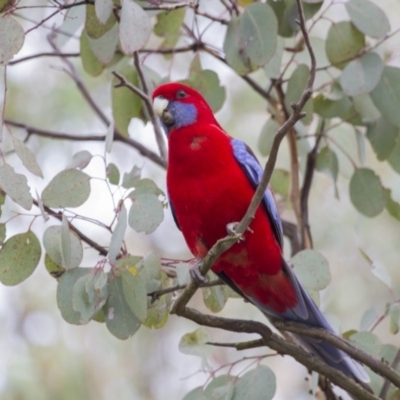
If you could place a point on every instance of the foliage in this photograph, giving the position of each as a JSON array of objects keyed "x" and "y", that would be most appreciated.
[{"x": 356, "y": 87}]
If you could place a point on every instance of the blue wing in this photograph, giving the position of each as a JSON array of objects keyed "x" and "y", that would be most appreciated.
[
  {"x": 306, "y": 311},
  {"x": 253, "y": 170}
]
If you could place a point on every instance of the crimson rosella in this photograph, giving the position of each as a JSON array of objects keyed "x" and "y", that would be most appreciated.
[{"x": 211, "y": 179}]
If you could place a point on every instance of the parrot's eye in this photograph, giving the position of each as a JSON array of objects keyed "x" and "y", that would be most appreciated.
[{"x": 180, "y": 94}]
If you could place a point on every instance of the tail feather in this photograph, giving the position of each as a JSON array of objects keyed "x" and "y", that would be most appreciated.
[{"x": 308, "y": 313}]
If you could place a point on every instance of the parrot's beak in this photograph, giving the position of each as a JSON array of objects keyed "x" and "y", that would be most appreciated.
[{"x": 160, "y": 105}]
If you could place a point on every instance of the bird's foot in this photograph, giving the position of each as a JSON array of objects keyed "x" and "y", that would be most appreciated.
[
  {"x": 196, "y": 275},
  {"x": 231, "y": 229}
]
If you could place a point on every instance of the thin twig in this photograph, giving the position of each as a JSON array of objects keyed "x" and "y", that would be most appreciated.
[
  {"x": 31, "y": 130},
  {"x": 149, "y": 107},
  {"x": 306, "y": 238}
]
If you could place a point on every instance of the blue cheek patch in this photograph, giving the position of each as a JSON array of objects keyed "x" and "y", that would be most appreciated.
[{"x": 183, "y": 113}]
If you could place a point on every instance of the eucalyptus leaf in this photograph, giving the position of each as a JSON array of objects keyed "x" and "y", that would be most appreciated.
[
  {"x": 94, "y": 28},
  {"x": 52, "y": 242},
  {"x": 125, "y": 104},
  {"x": 259, "y": 383},
  {"x": 267, "y": 136},
  {"x": 65, "y": 294},
  {"x": 91, "y": 64},
  {"x": 12, "y": 38},
  {"x": 112, "y": 173},
  {"x": 19, "y": 256},
  {"x": 103, "y": 9},
  {"x": 81, "y": 159},
  {"x": 27, "y": 157},
  {"x": 312, "y": 269},
  {"x": 69, "y": 188},
  {"x": 214, "y": 298},
  {"x": 120, "y": 320},
  {"x": 135, "y": 294},
  {"x": 366, "y": 192},
  {"x": 118, "y": 234},
  {"x": 361, "y": 75},
  {"x": 134, "y": 27},
  {"x": 386, "y": 95},
  {"x": 383, "y": 137},
  {"x": 368, "y": 18},
  {"x": 367, "y": 342},
  {"x": 15, "y": 186},
  {"x": 343, "y": 43},
  {"x": 195, "y": 343}
]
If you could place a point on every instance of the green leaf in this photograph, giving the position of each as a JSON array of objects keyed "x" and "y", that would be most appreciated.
[
  {"x": 91, "y": 64},
  {"x": 27, "y": 157},
  {"x": 259, "y": 383},
  {"x": 135, "y": 293},
  {"x": 361, "y": 76},
  {"x": 113, "y": 175},
  {"x": 104, "y": 47},
  {"x": 125, "y": 104},
  {"x": 6, "y": 5},
  {"x": 343, "y": 43},
  {"x": 65, "y": 294},
  {"x": 80, "y": 160},
  {"x": 366, "y": 109},
  {"x": 368, "y": 18},
  {"x": 55, "y": 270},
  {"x": 394, "y": 158},
  {"x": 328, "y": 163},
  {"x": 214, "y": 298},
  {"x": 386, "y": 95},
  {"x": 94, "y": 28},
  {"x": 368, "y": 318},
  {"x": 367, "y": 342},
  {"x": 377, "y": 269},
  {"x": 195, "y": 343},
  {"x": 312, "y": 269},
  {"x": 103, "y": 9},
  {"x": 280, "y": 182},
  {"x": 147, "y": 211},
  {"x": 52, "y": 243},
  {"x": 151, "y": 271},
  {"x": 158, "y": 312},
  {"x": 392, "y": 206},
  {"x": 12, "y": 38},
  {"x": 69, "y": 188},
  {"x": 383, "y": 137},
  {"x": 16, "y": 186},
  {"x": 394, "y": 316},
  {"x": 220, "y": 388},
  {"x": 88, "y": 304},
  {"x": 131, "y": 178},
  {"x": 134, "y": 28},
  {"x": 109, "y": 137},
  {"x": 207, "y": 83},
  {"x": 2, "y": 233},
  {"x": 120, "y": 320},
  {"x": 250, "y": 41},
  {"x": 366, "y": 192},
  {"x": 65, "y": 243},
  {"x": 267, "y": 136},
  {"x": 196, "y": 394},
  {"x": 296, "y": 85},
  {"x": 118, "y": 234},
  {"x": 328, "y": 108},
  {"x": 273, "y": 67},
  {"x": 19, "y": 256},
  {"x": 169, "y": 22}
]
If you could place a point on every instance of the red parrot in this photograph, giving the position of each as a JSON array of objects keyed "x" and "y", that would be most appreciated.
[{"x": 211, "y": 179}]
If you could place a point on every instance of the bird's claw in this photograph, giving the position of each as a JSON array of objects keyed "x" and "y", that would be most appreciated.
[
  {"x": 231, "y": 229},
  {"x": 196, "y": 275}
]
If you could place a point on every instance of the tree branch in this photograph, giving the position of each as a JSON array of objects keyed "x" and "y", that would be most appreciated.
[
  {"x": 283, "y": 347},
  {"x": 31, "y": 130}
]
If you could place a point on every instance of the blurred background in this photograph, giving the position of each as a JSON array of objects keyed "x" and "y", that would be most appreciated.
[{"x": 43, "y": 357}]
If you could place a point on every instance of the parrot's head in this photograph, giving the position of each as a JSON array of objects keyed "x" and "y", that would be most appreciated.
[{"x": 179, "y": 106}]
